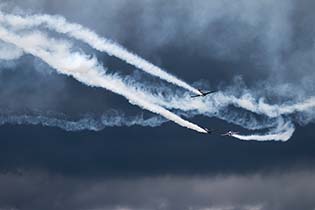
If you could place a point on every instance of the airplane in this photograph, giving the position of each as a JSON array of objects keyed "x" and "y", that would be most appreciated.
[
  {"x": 203, "y": 94},
  {"x": 230, "y": 133},
  {"x": 211, "y": 131}
]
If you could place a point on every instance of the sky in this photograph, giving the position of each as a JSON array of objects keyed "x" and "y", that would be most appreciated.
[{"x": 110, "y": 138}]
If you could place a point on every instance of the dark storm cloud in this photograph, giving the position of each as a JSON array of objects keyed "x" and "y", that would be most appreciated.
[{"x": 273, "y": 191}]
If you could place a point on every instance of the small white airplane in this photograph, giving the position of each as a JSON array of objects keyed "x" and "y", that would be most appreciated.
[
  {"x": 203, "y": 94},
  {"x": 230, "y": 133}
]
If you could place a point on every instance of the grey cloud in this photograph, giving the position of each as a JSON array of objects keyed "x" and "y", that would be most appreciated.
[{"x": 273, "y": 191}]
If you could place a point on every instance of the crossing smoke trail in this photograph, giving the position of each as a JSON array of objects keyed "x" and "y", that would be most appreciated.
[
  {"x": 280, "y": 129},
  {"x": 211, "y": 107},
  {"x": 165, "y": 96},
  {"x": 57, "y": 54},
  {"x": 77, "y": 31}
]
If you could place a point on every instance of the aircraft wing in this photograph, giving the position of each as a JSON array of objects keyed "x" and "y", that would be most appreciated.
[
  {"x": 209, "y": 92},
  {"x": 195, "y": 96}
]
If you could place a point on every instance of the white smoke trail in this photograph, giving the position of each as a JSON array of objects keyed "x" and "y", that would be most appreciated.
[
  {"x": 260, "y": 107},
  {"x": 88, "y": 71},
  {"x": 84, "y": 123},
  {"x": 283, "y": 132},
  {"x": 88, "y": 122},
  {"x": 77, "y": 31}
]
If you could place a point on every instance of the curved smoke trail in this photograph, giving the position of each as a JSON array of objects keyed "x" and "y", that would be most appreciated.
[
  {"x": 79, "y": 32},
  {"x": 57, "y": 54},
  {"x": 215, "y": 105},
  {"x": 282, "y": 132},
  {"x": 280, "y": 129}
]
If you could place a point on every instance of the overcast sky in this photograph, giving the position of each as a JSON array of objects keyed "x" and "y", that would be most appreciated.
[{"x": 263, "y": 46}]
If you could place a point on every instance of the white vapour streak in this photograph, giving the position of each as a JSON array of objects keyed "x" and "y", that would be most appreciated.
[
  {"x": 79, "y": 32},
  {"x": 283, "y": 132},
  {"x": 85, "y": 123},
  {"x": 88, "y": 71},
  {"x": 260, "y": 107}
]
